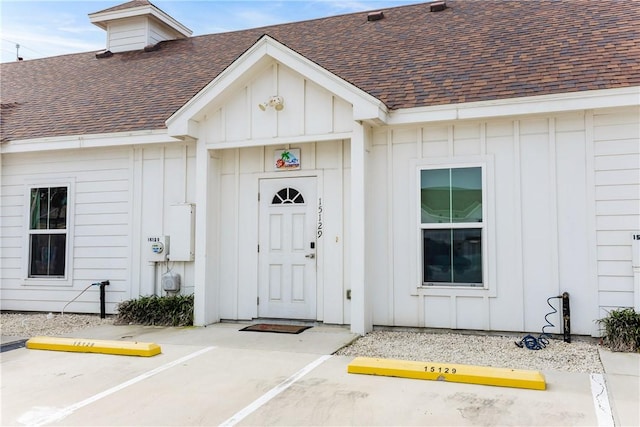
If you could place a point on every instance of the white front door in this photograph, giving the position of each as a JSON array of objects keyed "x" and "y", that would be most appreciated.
[{"x": 287, "y": 248}]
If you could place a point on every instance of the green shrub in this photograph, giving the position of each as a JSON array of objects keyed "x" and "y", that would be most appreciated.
[
  {"x": 174, "y": 310},
  {"x": 621, "y": 330}
]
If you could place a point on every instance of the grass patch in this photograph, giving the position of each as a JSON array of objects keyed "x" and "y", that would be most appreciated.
[{"x": 621, "y": 330}]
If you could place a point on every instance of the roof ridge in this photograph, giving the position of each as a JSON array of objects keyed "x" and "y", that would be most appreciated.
[{"x": 128, "y": 5}]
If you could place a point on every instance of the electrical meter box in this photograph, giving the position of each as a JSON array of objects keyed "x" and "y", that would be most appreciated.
[
  {"x": 157, "y": 248},
  {"x": 171, "y": 282},
  {"x": 182, "y": 232}
]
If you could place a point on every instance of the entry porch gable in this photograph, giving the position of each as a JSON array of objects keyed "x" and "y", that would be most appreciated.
[
  {"x": 272, "y": 96},
  {"x": 250, "y": 67}
]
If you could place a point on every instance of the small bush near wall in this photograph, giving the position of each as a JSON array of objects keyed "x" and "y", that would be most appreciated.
[
  {"x": 157, "y": 311},
  {"x": 621, "y": 330}
]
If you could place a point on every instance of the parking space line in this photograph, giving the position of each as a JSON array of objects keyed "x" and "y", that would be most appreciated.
[
  {"x": 256, "y": 404},
  {"x": 65, "y": 412},
  {"x": 601, "y": 400}
]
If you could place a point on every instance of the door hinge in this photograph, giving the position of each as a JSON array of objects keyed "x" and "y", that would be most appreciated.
[
  {"x": 258, "y": 196},
  {"x": 258, "y": 300},
  {"x": 258, "y": 248}
]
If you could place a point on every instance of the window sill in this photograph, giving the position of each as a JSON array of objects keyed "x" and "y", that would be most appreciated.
[
  {"x": 459, "y": 290},
  {"x": 47, "y": 282}
]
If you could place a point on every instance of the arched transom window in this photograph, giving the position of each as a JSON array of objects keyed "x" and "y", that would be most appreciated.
[{"x": 287, "y": 196}]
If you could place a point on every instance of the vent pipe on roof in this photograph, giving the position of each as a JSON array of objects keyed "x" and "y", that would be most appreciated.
[
  {"x": 104, "y": 54},
  {"x": 437, "y": 6},
  {"x": 152, "y": 47},
  {"x": 375, "y": 16}
]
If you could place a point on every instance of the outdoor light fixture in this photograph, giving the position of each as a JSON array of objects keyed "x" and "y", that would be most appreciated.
[{"x": 275, "y": 102}]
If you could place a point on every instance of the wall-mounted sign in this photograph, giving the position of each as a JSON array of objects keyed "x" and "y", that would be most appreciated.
[{"x": 287, "y": 159}]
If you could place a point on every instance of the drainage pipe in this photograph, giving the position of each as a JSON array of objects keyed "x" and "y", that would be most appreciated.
[
  {"x": 566, "y": 317},
  {"x": 102, "y": 284}
]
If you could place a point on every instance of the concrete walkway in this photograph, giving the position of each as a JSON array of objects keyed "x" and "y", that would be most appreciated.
[
  {"x": 622, "y": 373},
  {"x": 221, "y": 376}
]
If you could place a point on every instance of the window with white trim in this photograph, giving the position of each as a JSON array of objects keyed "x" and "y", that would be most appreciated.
[
  {"x": 48, "y": 232},
  {"x": 452, "y": 226}
]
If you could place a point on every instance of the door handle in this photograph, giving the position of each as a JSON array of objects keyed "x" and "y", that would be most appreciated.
[{"x": 310, "y": 256}]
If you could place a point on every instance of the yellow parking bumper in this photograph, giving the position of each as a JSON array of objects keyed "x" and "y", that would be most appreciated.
[
  {"x": 126, "y": 348},
  {"x": 484, "y": 375}
]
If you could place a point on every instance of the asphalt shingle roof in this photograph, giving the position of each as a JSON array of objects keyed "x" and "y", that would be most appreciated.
[
  {"x": 472, "y": 51},
  {"x": 125, "y": 6}
]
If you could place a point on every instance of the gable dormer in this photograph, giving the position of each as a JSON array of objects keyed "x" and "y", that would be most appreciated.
[{"x": 137, "y": 24}]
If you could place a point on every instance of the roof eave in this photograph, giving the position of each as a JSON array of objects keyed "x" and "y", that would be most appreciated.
[
  {"x": 67, "y": 142},
  {"x": 541, "y": 104}
]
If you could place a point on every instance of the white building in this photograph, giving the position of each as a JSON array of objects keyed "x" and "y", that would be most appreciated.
[{"x": 455, "y": 167}]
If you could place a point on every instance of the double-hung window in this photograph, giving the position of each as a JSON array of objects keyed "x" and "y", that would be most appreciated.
[
  {"x": 452, "y": 226},
  {"x": 48, "y": 235}
]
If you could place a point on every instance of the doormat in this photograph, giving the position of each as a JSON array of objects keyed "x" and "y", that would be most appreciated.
[{"x": 280, "y": 329}]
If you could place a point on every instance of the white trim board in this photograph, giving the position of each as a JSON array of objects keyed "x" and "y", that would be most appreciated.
[
  {"x": 542, "y": 104},
  {"x": 116, "y": 139}
]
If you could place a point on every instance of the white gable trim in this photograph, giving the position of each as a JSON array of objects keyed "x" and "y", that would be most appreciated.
[
  {"x": 605, "y": 98},
  {"x": 365, "y": 106}
]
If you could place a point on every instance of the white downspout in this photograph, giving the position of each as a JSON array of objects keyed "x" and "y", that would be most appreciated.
[{"x": 635, "y": 264}]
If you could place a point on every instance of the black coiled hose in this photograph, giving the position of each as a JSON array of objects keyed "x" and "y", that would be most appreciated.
[{"x": 540, "y": 342}]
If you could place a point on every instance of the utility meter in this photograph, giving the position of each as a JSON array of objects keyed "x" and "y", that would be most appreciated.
[{"x": 158, "y": 248}]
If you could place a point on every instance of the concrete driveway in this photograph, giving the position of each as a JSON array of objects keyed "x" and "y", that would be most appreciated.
[{"x": 220, "y": 376}]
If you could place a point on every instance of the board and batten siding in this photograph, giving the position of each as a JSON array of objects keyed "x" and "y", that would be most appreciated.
[
  {"x": 309, "y": 110},
  {"x": 117, "y": 198},
  {"x": 236, "y": 275},
  {"x": 312, "y": 120},
  {"x": 543, "y": 176},
  {"x": 616, "y": 150},
  {"x": 164, "y": 176}
]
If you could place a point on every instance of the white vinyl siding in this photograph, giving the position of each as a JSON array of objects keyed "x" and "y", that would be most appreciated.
[
  {"x": 565, "y": 194},
  {"x": 616, "y": 146},
  {"x": 127, "y": 34},
  {"x": 119, "y": 197},
  {"x": 98, "y": 234}
]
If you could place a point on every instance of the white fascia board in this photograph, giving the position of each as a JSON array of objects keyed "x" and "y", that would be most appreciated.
[
  {"x": 101, "y": 19},
  {"x": 178, "y": 124},
  {"x": 184, "y": 129},
  {"x": 160, "y": 15},
  {"x": 366, "y": 107},
  {"x": 87, "y": 141},
  {"x": 292, "y": 140},
  {"x": 603, "y": 98}
]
